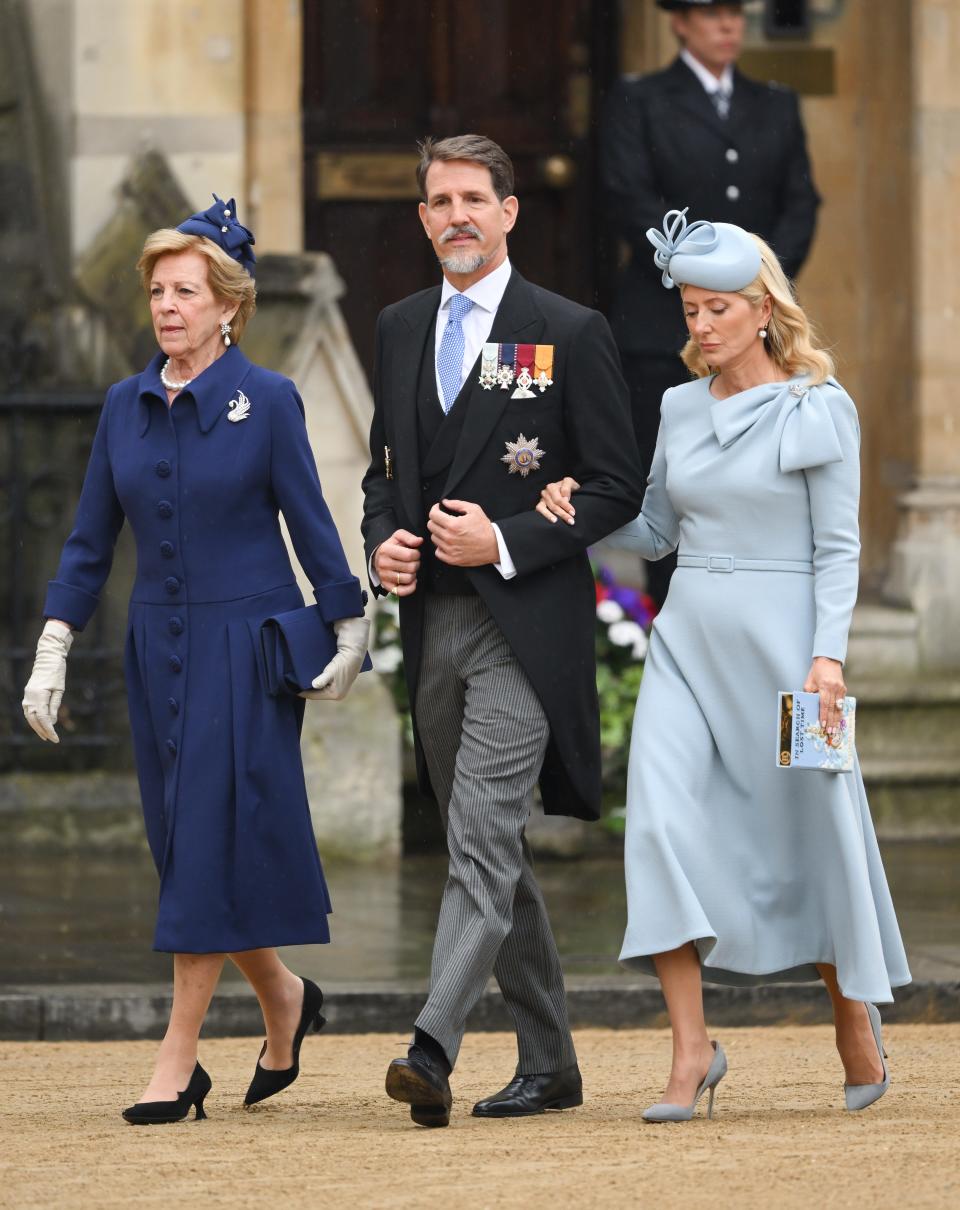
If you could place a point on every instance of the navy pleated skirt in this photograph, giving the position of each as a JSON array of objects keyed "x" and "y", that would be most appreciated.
[{"x": 221, "y": 779}]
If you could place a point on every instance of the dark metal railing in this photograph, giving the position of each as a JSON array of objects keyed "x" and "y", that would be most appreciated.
[{"x": 44, "y": 446}]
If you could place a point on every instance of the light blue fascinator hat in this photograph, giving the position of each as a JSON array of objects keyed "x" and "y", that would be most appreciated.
[{"x": 715, "y": 256}]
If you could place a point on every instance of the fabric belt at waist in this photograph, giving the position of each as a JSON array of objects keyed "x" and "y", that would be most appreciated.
[{"x": 728, "y": 563}]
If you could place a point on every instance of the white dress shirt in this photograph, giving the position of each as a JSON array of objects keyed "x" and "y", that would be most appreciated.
[
  {"x": 486, "y": 295},
  {"x": 706, "y": 77}
]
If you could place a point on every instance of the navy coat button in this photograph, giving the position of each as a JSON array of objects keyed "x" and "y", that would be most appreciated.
[
  {"x": 166, "y": 549},
  {"x": 163, "y": 468},
  {"x": 171, "y": 747},
  {"x": 175, "y": 663},
  {"x": 172, "y": 585},
  {"x": 174, "y": 705},
  {"x": 164, "y": 508},
  {"x": 176, "y": 625}
]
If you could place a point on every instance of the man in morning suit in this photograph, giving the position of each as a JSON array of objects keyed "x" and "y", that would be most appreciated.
[
  {"x": 699, "y": 134},
  {"x": 484, "y": 388}
]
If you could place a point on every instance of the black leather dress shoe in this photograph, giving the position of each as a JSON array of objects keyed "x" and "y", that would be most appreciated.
[
  {"x": 419, "y": 1082},
  {"x": 527, "y": 1095}
]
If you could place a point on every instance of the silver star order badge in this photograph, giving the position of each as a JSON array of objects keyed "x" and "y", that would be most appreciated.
[{"x": 523, "y": 456}]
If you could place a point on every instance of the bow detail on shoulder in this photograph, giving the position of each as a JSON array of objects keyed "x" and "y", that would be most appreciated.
[
  {"x": 680, "y": 236},
  {"x": 805, "y": 429}
]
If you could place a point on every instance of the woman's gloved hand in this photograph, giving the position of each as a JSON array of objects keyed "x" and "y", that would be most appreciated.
[
  {"x": 335, "y": 680},
  {"x": 44, "y": 691}
]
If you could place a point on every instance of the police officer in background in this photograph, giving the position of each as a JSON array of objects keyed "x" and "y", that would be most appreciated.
[{"x": 698, "y": 134}]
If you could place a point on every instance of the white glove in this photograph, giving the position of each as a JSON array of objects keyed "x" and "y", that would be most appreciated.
[
  {"x": 334, "y": 682},
  {"x": 44, "y": 691}
]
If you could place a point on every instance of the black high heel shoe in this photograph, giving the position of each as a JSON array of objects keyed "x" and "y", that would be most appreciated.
[
  {"x": 266, "y": 1083},
  {"x": 154, "y": 1113}
]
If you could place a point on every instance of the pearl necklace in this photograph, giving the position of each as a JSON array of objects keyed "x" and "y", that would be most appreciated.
[{"x": 168, "y": 382}]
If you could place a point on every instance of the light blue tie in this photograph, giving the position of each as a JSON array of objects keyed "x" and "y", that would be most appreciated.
[
  {"x": 450, "y": 356},
  {"x": 721, "y": 101}
]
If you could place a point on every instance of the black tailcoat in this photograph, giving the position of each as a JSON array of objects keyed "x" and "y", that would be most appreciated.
[
  {"x": 664, "y": 147},
  {"x": 547, "y": 611}
]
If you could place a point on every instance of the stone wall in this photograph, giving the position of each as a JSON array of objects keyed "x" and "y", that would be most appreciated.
[
  {"x": 215, "y": 87},
  {"x": 925, "y": 571}
]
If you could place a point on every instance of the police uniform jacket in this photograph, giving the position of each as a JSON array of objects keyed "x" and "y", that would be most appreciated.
[
  {"x": 663, "y": 147},
  {"x": 218, "y": 759},
  {"x": 547, "y": 612}
]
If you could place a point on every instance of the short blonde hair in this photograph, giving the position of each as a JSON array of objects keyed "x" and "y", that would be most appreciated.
[
  {"x": 791, "y": 341},
  {"x": 227, "y": 279}
]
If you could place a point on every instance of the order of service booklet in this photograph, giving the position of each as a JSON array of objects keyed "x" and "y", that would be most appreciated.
[{"x": 803, "y": 744}]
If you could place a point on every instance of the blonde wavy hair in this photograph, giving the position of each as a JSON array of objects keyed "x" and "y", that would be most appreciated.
[
  {"x": 229, "y": 282},
  {"x": 792, "y": 341}
]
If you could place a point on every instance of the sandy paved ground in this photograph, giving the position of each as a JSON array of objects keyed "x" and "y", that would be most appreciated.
[{"x": 780, "y": 1137}]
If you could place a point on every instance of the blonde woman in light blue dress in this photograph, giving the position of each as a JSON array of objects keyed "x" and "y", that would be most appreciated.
[{"x": 739, "y": 872}]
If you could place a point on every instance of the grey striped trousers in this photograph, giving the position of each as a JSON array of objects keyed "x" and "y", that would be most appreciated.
[{"x": 484, "y": 735}]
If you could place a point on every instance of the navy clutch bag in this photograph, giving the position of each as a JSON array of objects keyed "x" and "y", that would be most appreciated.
[{"x": 296, "y": 647}]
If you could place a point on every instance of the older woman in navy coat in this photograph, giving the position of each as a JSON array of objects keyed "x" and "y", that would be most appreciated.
[{"x": 201, "y": 452}]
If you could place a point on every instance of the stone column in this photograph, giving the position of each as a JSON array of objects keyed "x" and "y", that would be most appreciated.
[
  {"x": 121, "y": 78},
  {"x": 925, "y": 564},
  {"x": 274, "y": 141},
  {"x": 213, "y": 87}
]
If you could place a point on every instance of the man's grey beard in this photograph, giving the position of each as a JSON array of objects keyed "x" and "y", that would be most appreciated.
[{"x": 463, "y": 262}]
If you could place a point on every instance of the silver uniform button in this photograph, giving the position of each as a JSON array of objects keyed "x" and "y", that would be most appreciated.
[
  {"x": 733, "y": 192},
  {"x": 732, "y": 155}
]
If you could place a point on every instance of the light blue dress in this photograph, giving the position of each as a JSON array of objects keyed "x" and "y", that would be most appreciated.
[{"x": 768, "y": 871}]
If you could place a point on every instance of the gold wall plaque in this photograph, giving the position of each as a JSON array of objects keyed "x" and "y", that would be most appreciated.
[
  {"x": 811, "y": 70},
  {"x": 342, "y": 176}
]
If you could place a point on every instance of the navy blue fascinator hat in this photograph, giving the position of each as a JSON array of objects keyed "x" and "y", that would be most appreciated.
[
  {"x": 715, "y": 256},
  {"x": 219, "y": 223}
]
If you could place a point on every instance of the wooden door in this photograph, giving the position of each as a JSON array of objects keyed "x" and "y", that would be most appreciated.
[{"x": 381, "y": 74}]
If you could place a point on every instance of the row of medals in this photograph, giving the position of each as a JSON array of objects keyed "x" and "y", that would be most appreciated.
[{"x": 494, "y": 372}]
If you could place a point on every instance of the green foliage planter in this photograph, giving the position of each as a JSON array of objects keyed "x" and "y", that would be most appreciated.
[
  {"x": 624, "y": 617},
  {"x": 618, "y": 696},
  {"x": 623, "y": 623}
]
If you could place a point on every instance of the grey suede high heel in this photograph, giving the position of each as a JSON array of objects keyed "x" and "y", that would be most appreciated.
[
  {"x": 663, "y": 1111},
  {"x": 859, "y": 1096}
]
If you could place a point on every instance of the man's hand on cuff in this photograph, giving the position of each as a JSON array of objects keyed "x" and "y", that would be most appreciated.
[{"x": 395, "y": 563}]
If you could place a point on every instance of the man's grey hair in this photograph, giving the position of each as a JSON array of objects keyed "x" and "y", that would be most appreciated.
[{"x": 474, "y": 147}]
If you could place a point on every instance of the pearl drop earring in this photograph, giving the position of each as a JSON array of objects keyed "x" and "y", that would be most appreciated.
[
  {"x": 225, "y": 333},
  {"x": 762, "y": 333}
]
